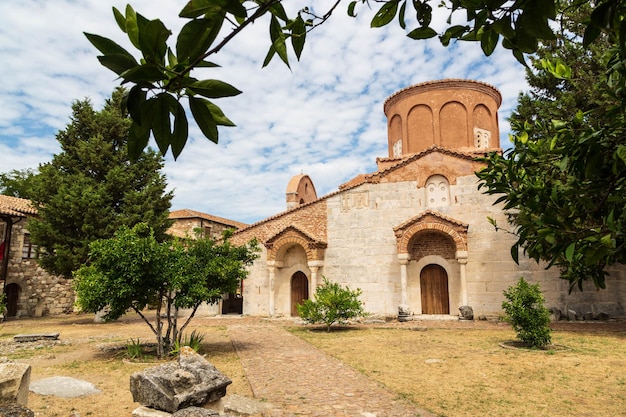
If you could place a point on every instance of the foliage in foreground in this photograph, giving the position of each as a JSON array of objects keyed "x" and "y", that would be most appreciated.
[
  {"x": 525, "y": 310},
  {"x": 332, "y": 304},
  {"x": 162, "y": 76},
  {"x": 133, "y": 270},
  {"x": 563, "y": 182}
]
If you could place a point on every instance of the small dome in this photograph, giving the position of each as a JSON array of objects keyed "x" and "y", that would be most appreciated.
[{"x": 300, "y": 190}]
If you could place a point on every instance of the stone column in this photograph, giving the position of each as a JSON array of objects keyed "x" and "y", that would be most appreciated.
[
  {"x": 461, "y": 257},
  {"x": 271, "y": 266},
  {"x": 314, "y": 266},
  {"x": 404, "y": 260}
]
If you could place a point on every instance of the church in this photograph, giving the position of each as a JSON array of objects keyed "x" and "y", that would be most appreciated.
[{"x": 415, "y": 232}]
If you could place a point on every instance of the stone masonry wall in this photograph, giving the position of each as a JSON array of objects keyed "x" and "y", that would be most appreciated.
[
  {"x": 362, "y": 253},
  {"x": 40, "y": 293}
]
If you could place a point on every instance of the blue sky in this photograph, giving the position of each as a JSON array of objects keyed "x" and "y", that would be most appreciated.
[{"x": 324, "y": 117}]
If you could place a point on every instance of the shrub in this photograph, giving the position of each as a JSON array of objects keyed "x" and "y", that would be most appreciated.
[
  {"x": 527, "y": 314},
  {"x": 134, "y": 350},
  {"x": 194, "y": 340},
  {"x": 332, "y": 304}
]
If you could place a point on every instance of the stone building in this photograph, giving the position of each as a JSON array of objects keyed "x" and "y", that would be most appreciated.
[
  {"x": 29, "y": 290},
  {"x": 186, "y": 222},
  {"x": 415, "y": 232}
]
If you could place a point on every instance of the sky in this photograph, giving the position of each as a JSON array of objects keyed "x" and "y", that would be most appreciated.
[{"x": 322, "y": 117}]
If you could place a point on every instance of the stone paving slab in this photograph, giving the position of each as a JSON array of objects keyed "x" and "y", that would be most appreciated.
[
  {"x": 63, "y": 386},
  {"x": 300, "y": 380}
]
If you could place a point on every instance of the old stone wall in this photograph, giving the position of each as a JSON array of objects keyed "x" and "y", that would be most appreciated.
[{"x": 39, "y": 293}]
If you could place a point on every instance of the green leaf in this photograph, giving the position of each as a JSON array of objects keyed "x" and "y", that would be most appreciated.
[
  {"x": 161, "y": 124},
  {"x": 106, "y": 46},
  {"x": 118, "y": 63},
  {"x": 385, "y": 14},
  {"x": 144, "y": 73},
  {"x": 569, "y": 252},
  {"x": 153, "y": 39},
  {"x": 132, "y": 26},
  {"x": 181, "y": 130},
  {"x": 196, "y": 37},
  {"x": 218, "y": 115},
  {"x": 351, "y": 7},
  {"x": 401, "y": 14},
  {"x": 213, "y": 89},
  {"x": 269, "y": 56},
  {"x": 120, "y": 19},
  {"x": 515, "y": 253},
  {"x": 621, "y": 152},
  {"x": 278, "y": 40},
  {"x": 202, "y": 114},
  {"x": 422, "y": 33},
  {"x": 298, "y": 36},
  {"x": 135, "y": 99},
  {"x": 138, "y": 136},
  {"x": 489, "y": 41}
]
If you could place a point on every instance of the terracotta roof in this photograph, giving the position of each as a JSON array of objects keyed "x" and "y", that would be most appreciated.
[
  {"x": 17, "y": 207},
  {"x": 450, "y": 83},
  {"x": 430, "y": 213},
  {"x": 193, "y": 214}
]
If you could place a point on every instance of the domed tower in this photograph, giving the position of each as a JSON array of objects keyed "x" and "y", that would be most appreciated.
[
  {"x": 300, "y": 190},
  {"x": 454, "y": 114}
]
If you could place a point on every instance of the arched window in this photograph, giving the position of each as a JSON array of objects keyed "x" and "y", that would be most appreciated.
[{"x": 437, "y": 191}]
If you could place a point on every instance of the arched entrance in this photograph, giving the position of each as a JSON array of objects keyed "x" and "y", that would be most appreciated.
[
  {"x": 12, "y": 293},
  {"x": 434, "y": 286},
  {"x": 299, "y": 291}
]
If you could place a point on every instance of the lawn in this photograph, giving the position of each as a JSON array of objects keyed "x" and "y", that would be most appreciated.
[{"x": 457, "y": 372}]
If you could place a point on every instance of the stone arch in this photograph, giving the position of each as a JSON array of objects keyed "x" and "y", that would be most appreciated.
[
  {"x": 434, "y": 222},
  {"x": 431, "y": 242},
  {"x": 278, "y": 244}
]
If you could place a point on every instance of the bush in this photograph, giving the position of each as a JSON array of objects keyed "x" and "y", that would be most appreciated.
[
  {"x": 527, "y": 314},
  {"x": 332, "y": 304}
]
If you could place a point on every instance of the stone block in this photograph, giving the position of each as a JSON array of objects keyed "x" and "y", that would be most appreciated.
[
  {"x": 14, "y": 383},
  {"x": 149, "y": 412},
  {"x": 193, "y": 381}
]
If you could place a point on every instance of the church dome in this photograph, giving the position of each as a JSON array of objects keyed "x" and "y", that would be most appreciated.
[{"x": 454, "y": 114}]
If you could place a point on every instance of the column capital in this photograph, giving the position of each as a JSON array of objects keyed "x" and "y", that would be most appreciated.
[
  {"x": 274, "y": 264},
  {"x": 461, "y": 255},
  {"x": 315, "y": 264},
  {"x": 403, "y": 258}
]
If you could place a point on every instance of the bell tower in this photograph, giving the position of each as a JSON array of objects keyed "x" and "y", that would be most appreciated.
[{"x": 453, "y": 114}]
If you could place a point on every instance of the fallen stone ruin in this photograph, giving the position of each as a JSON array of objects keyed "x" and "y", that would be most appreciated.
[{"x": 192, "y": 386}]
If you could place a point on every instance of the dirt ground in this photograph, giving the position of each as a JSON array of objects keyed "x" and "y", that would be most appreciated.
[{"x": 87, "y": 351}]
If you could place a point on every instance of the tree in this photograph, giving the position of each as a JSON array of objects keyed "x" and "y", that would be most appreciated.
[
  {"x": 161, "y": 78},
  {"x": 333, "y": 304},
  {"x": 90, "y": 188},
  {"x": 133, "y": 270},
  {"x": 563, "y": 182},
  {"x": 525, "y": 310},
  {"x": 17, "y": 183}
]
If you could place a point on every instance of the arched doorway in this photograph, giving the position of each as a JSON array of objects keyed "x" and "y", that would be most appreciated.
[
  {"x": 12, "y": 293},
  {"x": 299, "y": 291},
  {"x": 434, "y": 289}
]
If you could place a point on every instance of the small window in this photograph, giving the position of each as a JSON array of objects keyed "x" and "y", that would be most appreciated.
[
  {"x": 29, "y": 251},
  {"x": 437, "y": 191},
  {"x": 481, "y": 138}
]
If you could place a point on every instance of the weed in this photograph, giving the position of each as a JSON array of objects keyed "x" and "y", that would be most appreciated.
[
  {"x": 134, "y": 349},
  {"x": 194, "y": 340}
]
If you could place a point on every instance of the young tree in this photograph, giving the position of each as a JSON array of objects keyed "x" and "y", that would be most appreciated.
[
  {"x": 563, "y": 181},
  {"x": 91, "y": 188},
  {"x": 332, "y": 304},
  {"x": 133, "y": 270},
  {"x": 525, "y": 310}
]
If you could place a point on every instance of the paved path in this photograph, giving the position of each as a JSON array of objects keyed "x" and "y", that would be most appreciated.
[{"x": 300, "y": 380}]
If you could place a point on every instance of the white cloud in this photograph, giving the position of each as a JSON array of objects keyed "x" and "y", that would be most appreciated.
[{"x": 324, "y": 117}]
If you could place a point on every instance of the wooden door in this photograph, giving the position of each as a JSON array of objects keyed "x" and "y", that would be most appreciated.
[
  {"x": 299, "y": 291},
  {"x": 12, "y": 293},
  {"x": 434, "y": 287}
]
